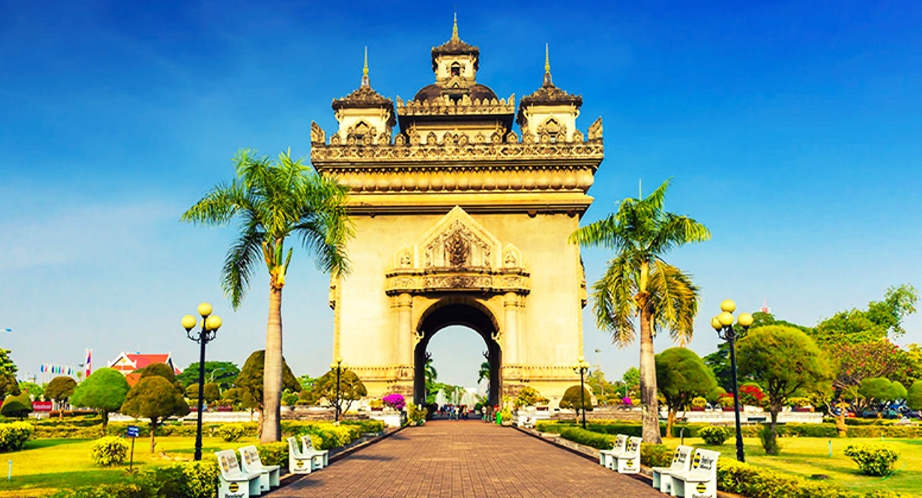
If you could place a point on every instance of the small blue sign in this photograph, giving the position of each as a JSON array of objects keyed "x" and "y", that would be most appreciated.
[{"x": 133, "y": 431}]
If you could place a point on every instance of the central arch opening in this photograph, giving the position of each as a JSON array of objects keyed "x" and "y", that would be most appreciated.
[{"x": 465, "y": 315}]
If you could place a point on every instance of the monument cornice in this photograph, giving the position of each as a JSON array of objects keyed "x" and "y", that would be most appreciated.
[
  {"x": 327, "y": 156},
  {"x": 480, "y": 280}
]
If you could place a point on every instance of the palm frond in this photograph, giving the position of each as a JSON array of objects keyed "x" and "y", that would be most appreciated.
[
  {"x": 675, "y": 231},
  {"x": 240, "y": 263},
  {"x": 613, "y": 300},
  {"x": 675, "y": 300},
  {"x": 324, "y": 225},
  {"x": 216, "y": 207}
]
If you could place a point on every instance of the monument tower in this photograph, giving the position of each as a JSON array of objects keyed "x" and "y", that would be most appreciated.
[{"x": 461, "y": 220}]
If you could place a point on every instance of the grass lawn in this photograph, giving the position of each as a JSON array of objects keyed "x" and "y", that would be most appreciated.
[
  {"x": 47, "y": 465},
  {"x": 808, "y": 456}
]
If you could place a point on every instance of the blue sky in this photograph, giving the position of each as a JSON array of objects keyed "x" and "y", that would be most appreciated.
[{"x": 792, "y": 130}]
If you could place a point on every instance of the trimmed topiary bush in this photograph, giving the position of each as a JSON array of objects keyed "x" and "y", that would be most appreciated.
[
  {"x": 108, "y": 451},
  {"x": 714, "y": 436},
  {"x": 873, "y": 459},
  {"x": 231, "y": 432}
]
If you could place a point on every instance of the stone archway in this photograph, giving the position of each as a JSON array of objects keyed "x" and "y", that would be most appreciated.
[{"x": 467, "y": 313}]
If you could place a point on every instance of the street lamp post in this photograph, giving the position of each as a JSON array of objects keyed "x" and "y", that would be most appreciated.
[
  {"x": 339, "y": 367},
  {"x": 581, "y": 367},
  {"x": 210, "y": 325},
  {"x": 723, "y": 324}
]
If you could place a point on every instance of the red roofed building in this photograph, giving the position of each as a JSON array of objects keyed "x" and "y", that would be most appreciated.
[{"x": 126, "y": 363}]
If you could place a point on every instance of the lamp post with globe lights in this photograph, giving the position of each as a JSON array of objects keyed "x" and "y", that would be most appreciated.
[
  {"x": 338, "y": 366},
  {"x": 210, "y": 325},
  {"x": 723, "y": 324},
  {"x": 581, "y": 367}
]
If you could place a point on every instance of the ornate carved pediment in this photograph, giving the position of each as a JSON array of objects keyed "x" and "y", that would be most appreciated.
[
  {"x": 458, "y": 254},
  {"x": 458, "y": 241}
]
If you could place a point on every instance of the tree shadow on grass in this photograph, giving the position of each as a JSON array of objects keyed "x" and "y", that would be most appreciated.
[
  {"x": 50, "y": 443},
  {"x": 66, "y": 480}
]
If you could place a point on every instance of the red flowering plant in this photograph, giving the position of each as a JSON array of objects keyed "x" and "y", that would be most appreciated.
[{"x": 751, "y": 395}]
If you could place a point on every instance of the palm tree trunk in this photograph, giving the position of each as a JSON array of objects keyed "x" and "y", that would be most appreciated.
[
  {"x": 272, "y": 369},
  {"x": 648, "y": 378}
]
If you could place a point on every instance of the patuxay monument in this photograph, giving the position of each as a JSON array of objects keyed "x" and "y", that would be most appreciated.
[{"x": 461, "y": 219}]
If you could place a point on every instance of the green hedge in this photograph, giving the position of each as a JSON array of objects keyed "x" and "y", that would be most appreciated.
[
  {"x": 588, "y": 438},
  {"x": 274, "y": 454},
  {"x": 892, "y": 431},
  {"x": 331, "y": 436},
  {"x": 187, "y": 479},
  {"x": 823, "y": 430},
  {"x": 14, "y": 435},
  {"x": 757, "y": 482}
]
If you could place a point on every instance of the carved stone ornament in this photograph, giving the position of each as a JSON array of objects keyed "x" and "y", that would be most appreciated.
[
  {"x": 318, "y": 136},
  {"x": 458, "y": 255},
  {"x": 595, "y": 130}
]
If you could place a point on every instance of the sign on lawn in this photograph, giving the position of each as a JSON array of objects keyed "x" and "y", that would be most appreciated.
[
  {"x": 132, "y": 431},
  {"x": 41, "y": 406}
]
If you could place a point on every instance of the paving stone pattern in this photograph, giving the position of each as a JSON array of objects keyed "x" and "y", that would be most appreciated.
[{"x": 464, "y": 459}]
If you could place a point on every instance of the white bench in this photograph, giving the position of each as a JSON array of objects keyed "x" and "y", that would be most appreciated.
[
  {"x": 701, "y": 480},
  {"x": 681, "y": 463},
  {"x": 605, "y": 456},
  {"x": 628, "y": 462},
  {"x": 321, "y": 457},
  {"x": 235, "y": 483},
  {"x": 298, "y": 461},
  {"x": 251, "y": 463}
]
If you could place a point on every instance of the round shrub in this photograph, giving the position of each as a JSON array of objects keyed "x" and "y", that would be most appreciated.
[
  {"x": 231, "y": 432},
  {"x": 714, "y": 436},
  {"x": 873, "y": 459},
  {"x": 14, "y": 435},
  {"x": 109, "y": 450},
  {"x": 699, "y": 402}
]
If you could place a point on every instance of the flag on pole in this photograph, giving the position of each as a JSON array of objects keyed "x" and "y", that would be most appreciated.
[{"x": 89, "y": 363}]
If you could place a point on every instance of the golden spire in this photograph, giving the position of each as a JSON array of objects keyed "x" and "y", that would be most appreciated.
[
  {"x": 365, "y": 82},
  {"x": 454, "y": 28},
  {"x": 547, "y": 67}
]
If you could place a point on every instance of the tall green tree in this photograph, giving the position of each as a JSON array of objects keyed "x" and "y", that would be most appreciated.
[
  {"x": 681, "y": 376},
  {"x": 7, "y": 366},
  {"x": 785, "y": 362},
  {"x": 351, "y": 388},
  {"x": 880, "y": 389},
  {"x": 914, "y": 396},
  {"x": 221, "y": 372},
  {"x": 251, "y": 382},
  {"x": 639, "y": 283},
  {"x": 104, "y": 391},
  {"x": 154, "y": 398},
  {"x": 881, "y": 320},
  {"x": 719, "y": 360},
  {"x": 60, "y": 389},
  {"x": 275, "y": 200}
]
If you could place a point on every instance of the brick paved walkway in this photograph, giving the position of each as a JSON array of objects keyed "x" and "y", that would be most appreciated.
[{"x": 464, "y": 459}]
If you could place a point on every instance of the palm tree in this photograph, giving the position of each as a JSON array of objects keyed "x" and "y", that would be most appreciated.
[
  {"x": 273, "y": 201},
  {"x": 429, "y": 371},
  {"x": 484, "y": 372},
  {"x": 637, "y": 281}
]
